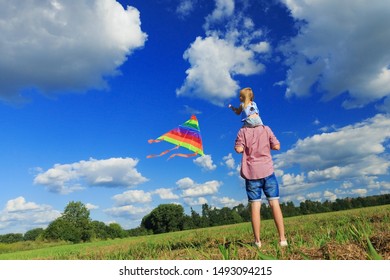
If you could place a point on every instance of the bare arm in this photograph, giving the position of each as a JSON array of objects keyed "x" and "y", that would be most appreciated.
[
  {"x": 239, "y": 149},
  {"x": 237, "y": 110}
]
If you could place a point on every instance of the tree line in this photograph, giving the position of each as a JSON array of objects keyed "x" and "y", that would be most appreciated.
[{"x": 75, "y": 224}]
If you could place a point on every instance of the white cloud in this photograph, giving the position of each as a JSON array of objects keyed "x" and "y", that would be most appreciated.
[
  {"x": 185, "y": 183},
  {"x": 113, "y": 172},
  {"x": 342, "y": 47},
  {"x": 354, "y": 152},
  {"x": 165, "y": 193},
  {"x": 328, "y": 195},
  {"x": 191, "y": 189},
  {"x": 185, "y": 8},
  {"x": 195, "y": 201},
  {"x": 223, "y": 9},
  {"x": 207, "y": 188},
  {"x": 226, "y": 201},
  {"x": 314, "y": 196},
  {"x": 347, "y": 145},
  {"x": 292, "y": 179},
  {"x": 229, "y": 161},
  {"x": 360, "y": 192},
  {"x": 19, "y": 204},
  {"x": 261, "y": 47},
  {"x": 385, "y": 186},
  {"x": 132, "y": 196},
  {"x": 232, "y": 46},
  {"x": 55, "y": 46},
  {"x": 91, "y": 206},
  {"x": 206, "y": 162},
  {"x": 214, "y": 62},
  {"x": 22, "y": 215}
]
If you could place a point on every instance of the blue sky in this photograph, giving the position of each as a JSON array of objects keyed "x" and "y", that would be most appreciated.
[{"x": 85, "y": 84}]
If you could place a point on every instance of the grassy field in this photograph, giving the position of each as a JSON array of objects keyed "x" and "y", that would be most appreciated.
[{"x": 359, "y": 234}]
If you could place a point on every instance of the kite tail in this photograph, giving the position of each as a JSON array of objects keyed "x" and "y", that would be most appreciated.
[
  {"x": 163, "y": 153},
  {"x": 183, "y": 155},
  {"x": 150, "y": 141}
]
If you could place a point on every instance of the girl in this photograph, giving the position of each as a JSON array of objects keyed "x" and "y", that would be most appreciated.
[{"x": 248, "y": 109}]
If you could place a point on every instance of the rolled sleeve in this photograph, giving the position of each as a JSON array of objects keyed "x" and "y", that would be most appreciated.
[{"x": 240, "y": 139}]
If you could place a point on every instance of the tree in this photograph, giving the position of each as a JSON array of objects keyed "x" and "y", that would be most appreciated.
[
  {"x": 139, "y": 231},
  {"x": 11, "y": 237},
  {"x": 61, "y": 229},
  {"x": 164, "y": 218},
  {"x": 265, "y": 211},
  {"x": 100, "y": 230},
  {"x": 33, "y": 234},
  {"x": 196, "y": 219},
  {"x": 116, "y": 231},
  {"x": 243, "y": 211},
  {"x": 74, "y": 224},
  {"x": 228, "y": 216}
]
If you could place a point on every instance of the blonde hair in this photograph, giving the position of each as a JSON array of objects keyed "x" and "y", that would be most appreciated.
[{"x": 247, "y": 93}]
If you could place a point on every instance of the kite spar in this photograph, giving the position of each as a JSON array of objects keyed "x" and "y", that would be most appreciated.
[{"x": 186, "y": 135}]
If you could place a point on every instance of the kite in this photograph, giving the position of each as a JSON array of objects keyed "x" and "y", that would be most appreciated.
[{"x": 186, "y": 135}]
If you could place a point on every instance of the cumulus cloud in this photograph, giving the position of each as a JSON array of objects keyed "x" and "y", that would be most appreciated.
[
  {"x": 192, "y": 189},
  {"x": 342, "y": 46},
  {"x": 229, "y": 161},
  {"x": 224, "y": 53},
  {"x": 17, "y": 212},
  {"x": 350, "y": 152},
  {"x": 292, "y": 179},
  {"x": 113, "y": 172},
  {"x": 165, "y": 193},
  {"x": 91, "y": 206},
  {"x": 185, "y": 183},
  {"x": 133, "y": 196},
  {"x": 61, "y": 46},
  {"x": 205, "y": 162}
]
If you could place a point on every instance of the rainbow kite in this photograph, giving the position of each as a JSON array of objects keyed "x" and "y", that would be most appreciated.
[{"x": 186, "y": 135}]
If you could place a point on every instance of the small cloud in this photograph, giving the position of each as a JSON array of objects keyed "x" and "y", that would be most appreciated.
[
  {"x": 207, "y": 188},
  {"x": 229, "y": 161},
  {"x": 195, "y": 201},
  {"x": 91, "y": 206},
  {"x": 185, "y": 8},
  {"x": 132, "y": 196},
  {"x": 205, "y": 162},
  {"x": 166, "y": 193},
  {"x": 190, "y": 111}
]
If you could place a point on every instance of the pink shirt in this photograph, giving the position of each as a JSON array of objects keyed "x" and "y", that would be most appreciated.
[{"x": 256, "y": 160}]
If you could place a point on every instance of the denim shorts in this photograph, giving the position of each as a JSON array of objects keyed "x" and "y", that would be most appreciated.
[{"x": 269, "y": 185}]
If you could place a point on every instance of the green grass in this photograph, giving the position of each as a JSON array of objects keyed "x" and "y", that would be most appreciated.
[{"x": 353, "y": 234}]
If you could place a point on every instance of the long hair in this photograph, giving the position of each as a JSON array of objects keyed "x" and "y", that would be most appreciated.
[{"x": 248, "y": 93}]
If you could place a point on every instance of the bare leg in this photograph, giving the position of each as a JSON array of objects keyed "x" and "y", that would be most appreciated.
[
  {"x": 255, "y": 217},
  {"x": 278, "y": 218}
]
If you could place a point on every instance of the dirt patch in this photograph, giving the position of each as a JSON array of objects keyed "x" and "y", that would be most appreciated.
[{"x": 381, "y": 244}]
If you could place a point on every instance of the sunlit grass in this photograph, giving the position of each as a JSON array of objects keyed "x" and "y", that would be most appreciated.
[{"x": 353, "y": 234}]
